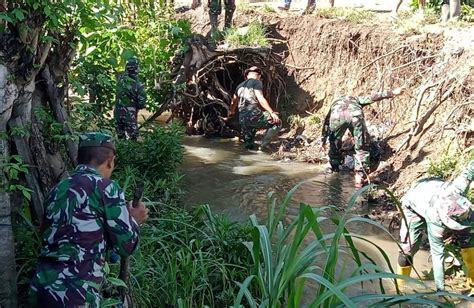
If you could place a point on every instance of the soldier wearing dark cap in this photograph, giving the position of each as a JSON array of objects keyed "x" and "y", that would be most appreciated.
[
  {"x": 85, "y": 215},
  {"x": 254, "y": 110},
  {"x": 441, "y": 209},
  {"x": 130, "y": 98}
]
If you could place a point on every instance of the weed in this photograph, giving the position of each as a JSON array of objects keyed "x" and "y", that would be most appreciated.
[
  {"x": 287, "y": 257},
  {"x": 296, "y": 121},
  {"x": 254, "y": 35},
  {"x": 467, "y": 13},
  {"x": 448, "y": 164},
  {"x": 268, "y": 9},
  {"x": 353, "y": 15}
]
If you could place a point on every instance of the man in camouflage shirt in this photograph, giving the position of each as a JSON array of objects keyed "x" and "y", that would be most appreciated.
[
  {"x": 85, "y": 214},
  {"x": 442, "y": 210},
  {"x": 250, "y": 100},
  {"x": 346, "y": 114},
  {"x": 130, "y": 98}
]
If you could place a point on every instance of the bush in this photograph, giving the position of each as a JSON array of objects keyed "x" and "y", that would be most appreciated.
[
  {"x": 254, "y": 36},
  {"x": 153, "y": 159}
]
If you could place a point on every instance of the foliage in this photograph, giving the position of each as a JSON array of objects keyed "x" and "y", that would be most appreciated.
[
  {"x": 154, "y": 37},
  {"x": 254, "y": 35},
  {"x": 432, "y": 4},
  {"x": 191, "y": 259},
  {"x": 467, "y": 13},
  {"x": 154, "y": 159},
  {"x": 353, "y": 15},
  {"x": 268, "y": 8},
  {"x": 286, "y": 259},
  {"x": 449, "y": 163},
  {"x": 13, "y": 168}
]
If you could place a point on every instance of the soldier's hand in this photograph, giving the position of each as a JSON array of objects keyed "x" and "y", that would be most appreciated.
[
  {"x": 140, "y": 213},
  {"x": 275, "y": 118},
  {"x": 398, "y": 91}
]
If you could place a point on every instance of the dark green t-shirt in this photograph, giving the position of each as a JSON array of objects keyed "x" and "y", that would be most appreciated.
[{"x": 246, "y": 92}]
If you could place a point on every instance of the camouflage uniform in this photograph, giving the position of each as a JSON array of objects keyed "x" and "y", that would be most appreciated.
[
  {"x": 346, "y": 113},
  {"x": 130, "y": 98},
  {"x": 85, "y": 215},
  {"x": 251, "y": 117},
  {"x": 440, "y": 208},
  {"x": 215, "y": 8}
]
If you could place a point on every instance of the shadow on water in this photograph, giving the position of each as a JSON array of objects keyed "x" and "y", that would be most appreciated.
[{"x": 219, "y": 172}]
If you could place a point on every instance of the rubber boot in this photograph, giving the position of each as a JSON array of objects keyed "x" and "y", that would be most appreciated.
[
  {"x": 228, "y": 20},
  {"x": 214, "y": 30},
  {"x": 403, "y": 270},
  {"x": 444, "y": 13},
  {"x": 468, "y": 258},
  {"x": 454, "y": 9},
  {"x": 269, "y": 135}
]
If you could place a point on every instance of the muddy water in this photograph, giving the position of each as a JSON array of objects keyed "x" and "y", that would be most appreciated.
[{"x": 219, "y": 172}]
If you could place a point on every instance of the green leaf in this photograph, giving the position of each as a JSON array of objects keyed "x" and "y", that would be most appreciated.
[
  {"x": 110, "y": 302},
  {"x": 127, "y": 53},
  {"x": 19, "y": 15},
  {"x": 6, "y": 17},
  {"x": 117, "y": 282},
  {"x": 47, "y": 11}
]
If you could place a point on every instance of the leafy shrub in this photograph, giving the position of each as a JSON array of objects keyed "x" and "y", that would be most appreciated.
[
  {"x": 154, "y": 159},
  {"x": 254, "y": 35},
  {"x": 354, "y": 15}
]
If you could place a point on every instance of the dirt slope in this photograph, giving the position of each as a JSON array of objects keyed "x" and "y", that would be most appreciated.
[{"x": 326, "y": 58}]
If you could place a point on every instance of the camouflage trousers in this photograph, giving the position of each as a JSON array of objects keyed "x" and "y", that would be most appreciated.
[
  {"x": 52, "y": 287},
  {"x": 215, "y": 7},
  {"x": 356, "y": 125},
  {"x": 250, "y": 121},
  {"x": 126, "y": 122}
]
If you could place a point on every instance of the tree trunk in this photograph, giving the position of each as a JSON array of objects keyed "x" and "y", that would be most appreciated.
[{"x": 8, "y": 94}]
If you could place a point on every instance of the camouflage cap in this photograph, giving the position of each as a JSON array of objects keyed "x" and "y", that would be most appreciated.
[
  {"x": 96, "y": 139},
  {"x": 455, "y": 211}
]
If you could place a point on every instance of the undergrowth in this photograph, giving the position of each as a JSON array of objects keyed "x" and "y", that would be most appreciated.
[
  {"x": 254, "y": 35},
  {"x": 353, "y": 15}
]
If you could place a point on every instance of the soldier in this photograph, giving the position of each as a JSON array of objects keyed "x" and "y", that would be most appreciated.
[
  {"x": 346, "y": 114},
  {"x": 441, "y": 209},
  {"x": 85, "y": 214},
  {"x": 215, "y": 8},
  {"x": 250, "y": 100},
  {"x": 130, "y": 98}
]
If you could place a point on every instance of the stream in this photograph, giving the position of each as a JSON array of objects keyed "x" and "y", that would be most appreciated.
[{"x": 235, "y": 182}]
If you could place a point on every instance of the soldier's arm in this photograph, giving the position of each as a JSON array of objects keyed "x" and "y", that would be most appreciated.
[
  {"x": 461, "y": 183},
  {"x": 375, "y": 97},
  {"x": 140, "y": 99},
  {"x": 233, "y": 105},
  {"x": 120, "y": 227}
]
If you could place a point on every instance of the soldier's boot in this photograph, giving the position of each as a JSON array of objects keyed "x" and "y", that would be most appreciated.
[
  {"x": 214, "y": 30},
  {"x": 454, "y": 9},
  {"x": 269, "y": 136},
  {"x": 468, "y": 258},
  {"x": 403, "y": 270},
  {"x": 228, "y": 20},
  {"x": 444, "y": 13}
]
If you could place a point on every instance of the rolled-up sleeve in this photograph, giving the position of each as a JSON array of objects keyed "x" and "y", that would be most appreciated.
[{"x": 375, "y": 97}]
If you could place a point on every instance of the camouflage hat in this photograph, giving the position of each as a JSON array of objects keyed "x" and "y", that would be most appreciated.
[
  {"x": 96, "y": 139},
  {"x": 132, "y": 64},
  {"x": 252, "y": 69},
  {"x": 455, "y": 211}
]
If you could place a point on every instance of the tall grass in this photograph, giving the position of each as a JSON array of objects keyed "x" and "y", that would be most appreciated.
[{"x": 291, "y": 258}]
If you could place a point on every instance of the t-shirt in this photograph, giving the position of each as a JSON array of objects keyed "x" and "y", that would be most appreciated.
[{"x": 246, "y": 91}]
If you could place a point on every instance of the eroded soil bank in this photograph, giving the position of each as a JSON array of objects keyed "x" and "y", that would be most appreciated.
[{"x": 326, "y": 58}]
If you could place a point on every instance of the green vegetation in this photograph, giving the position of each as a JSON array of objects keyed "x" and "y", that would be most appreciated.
[
  {"x": 254, "y": 35},
  {"x": 353, "y": 15},
  {"x": 268, "y": 8},
  {"x": 449, "y": 164}
]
